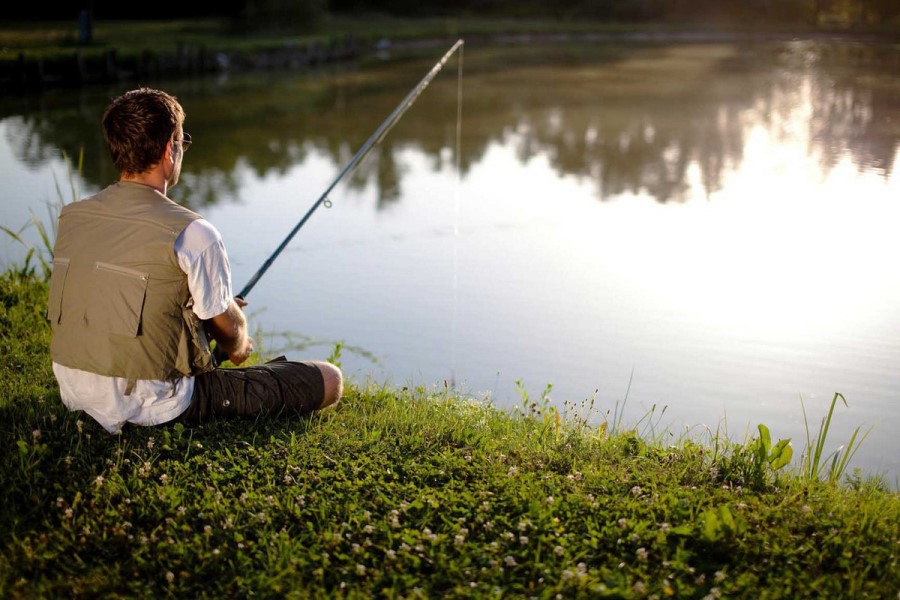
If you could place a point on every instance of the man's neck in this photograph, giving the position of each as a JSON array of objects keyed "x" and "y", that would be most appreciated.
[{"x": 153, "y": 178}]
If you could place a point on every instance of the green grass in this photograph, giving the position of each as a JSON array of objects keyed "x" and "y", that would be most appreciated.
[
  {"x": 130, "y": 38},
  {"x": 408, "y": 493}
]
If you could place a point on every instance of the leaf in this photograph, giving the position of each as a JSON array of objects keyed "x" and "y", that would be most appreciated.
[
  {"x": 711, "y": 526},
  {"x": 726, "y": 519},
  {"x": 781, "y": 454},
  {"x": 764, "y": 437}
]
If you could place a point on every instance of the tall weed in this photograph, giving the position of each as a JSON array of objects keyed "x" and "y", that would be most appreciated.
[
  {"x": 47, "y": 233},
  {"x": 812, "y": 465}
]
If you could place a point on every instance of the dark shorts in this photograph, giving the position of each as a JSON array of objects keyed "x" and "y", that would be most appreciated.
[{"x": 278, "y": 388}]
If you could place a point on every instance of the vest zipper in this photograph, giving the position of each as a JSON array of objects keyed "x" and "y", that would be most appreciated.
[{"x": 102, "y": 266}]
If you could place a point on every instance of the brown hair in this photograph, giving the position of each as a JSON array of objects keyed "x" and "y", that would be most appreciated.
[{"x": 137, "y": 127}]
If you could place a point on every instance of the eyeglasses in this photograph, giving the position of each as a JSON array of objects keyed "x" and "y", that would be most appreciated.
[{"x": 185, "y": 141}]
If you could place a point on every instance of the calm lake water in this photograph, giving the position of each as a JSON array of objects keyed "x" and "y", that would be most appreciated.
[{"x": 715, "y": 223}]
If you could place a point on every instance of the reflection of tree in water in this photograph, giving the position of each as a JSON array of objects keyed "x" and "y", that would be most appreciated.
[
  {"x": 631, "y": 119},
  {"x": 857, "y": 109}
]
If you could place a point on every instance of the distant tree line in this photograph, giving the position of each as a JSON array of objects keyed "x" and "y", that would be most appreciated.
[{"x": 848, "y": 12}]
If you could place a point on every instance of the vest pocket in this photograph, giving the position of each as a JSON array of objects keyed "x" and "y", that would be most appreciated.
[
  {"x": 57, "y": 285},
  {"x": 117, "y": 299}
]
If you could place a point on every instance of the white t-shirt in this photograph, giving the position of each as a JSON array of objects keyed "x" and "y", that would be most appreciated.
[{"x": 201, "y": 255}]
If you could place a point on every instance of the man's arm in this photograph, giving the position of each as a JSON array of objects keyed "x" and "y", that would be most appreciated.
[{"x": 229, "y": 329}]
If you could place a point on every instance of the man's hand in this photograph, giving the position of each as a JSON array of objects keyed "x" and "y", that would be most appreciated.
[{"x": 229, "y": 329}]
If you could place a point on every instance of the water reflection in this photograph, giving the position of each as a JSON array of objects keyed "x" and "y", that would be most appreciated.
[
  {"x": 750, "y": 261},
  {"x": 632, "y": 119}
]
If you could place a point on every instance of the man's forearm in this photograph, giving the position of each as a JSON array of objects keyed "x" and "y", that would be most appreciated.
[{"x": 229, "y": 329}]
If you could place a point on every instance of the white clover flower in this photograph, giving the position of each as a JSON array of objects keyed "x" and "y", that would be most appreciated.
[
  {"x": 150, "y": 442},
  {"x": 69, "y": 513},
  {"x": 664, "y": 527},
  {"x": 170, "y": 576},
  {"x": 510, "y": 561},
  {"x": 404, "y": 547},
  {"x": 99, "y": 480},
  {"x": 390, "y": 554},
  {"x": 523, "y": 526},
  {"x": 360, "y": 570},
  {"x": 163, "y": 478},
  {"x": 559, "y": 550},
  {"x": 207, "y": 529},
  {"x": 568, "y": 575},
  {"x": 356, "y": 548},
  {"x": 368, "y": 529},
  {"x": 641, "y": 554},
  {"x": 459, "y": 540},
  {"x": 550, "y": 500},
  {"x": 182, "y": 510},
  {"x": 639, "y": 588},
  {"x": 513, "y": 471},
  {"x": 636, "y": 491},
  {"x": 622, "y": 522},
  {"x": 36, "y": 434}
]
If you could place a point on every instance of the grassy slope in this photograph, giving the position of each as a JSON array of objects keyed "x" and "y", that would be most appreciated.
[{"x": 400, "y": 493}]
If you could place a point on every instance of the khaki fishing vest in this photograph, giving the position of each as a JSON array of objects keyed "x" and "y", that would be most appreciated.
[{"x": 119, "y": 303}]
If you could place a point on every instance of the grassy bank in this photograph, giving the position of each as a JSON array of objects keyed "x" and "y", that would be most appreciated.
[
  {"x": 405, "y": 493},
  {"x": 130, "y": 38}
]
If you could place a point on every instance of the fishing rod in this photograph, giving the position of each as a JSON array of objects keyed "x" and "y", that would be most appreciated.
[{"x": 375, "y": 138}]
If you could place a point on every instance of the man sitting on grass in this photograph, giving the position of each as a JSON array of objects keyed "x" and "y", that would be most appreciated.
[{"x": 139, "y": 282}]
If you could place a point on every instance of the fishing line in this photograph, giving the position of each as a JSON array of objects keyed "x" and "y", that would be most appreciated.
[
  {"x": 454, "y": 324},
  {"x": 364, "y": 150}
]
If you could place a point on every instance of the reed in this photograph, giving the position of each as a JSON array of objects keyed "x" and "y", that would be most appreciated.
[
  {"x": 833, "y": 466},
  {"x": 43, "y": 251}
]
